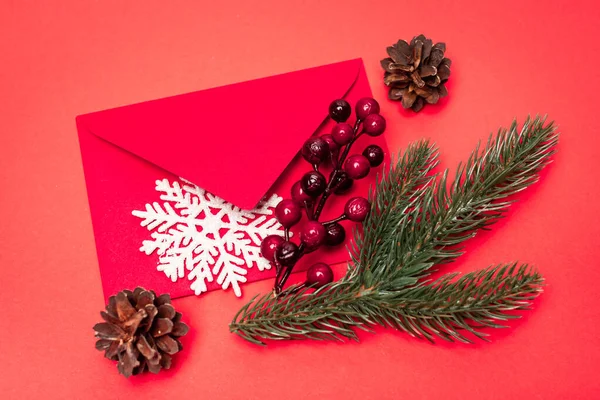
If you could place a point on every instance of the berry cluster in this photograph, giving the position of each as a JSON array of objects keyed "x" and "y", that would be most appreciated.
[{"x": 311, "y": 192}]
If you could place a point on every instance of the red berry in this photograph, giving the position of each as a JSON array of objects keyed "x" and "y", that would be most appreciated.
[
  {"x": 299, "y": 196},
  {"x": 340, "y": 110},
  {"x": 333, "y": 146},
  {"x": 315, "y": 150},
  {"x": 357, "y": 209},
  {"x": 313, "y": 183},
  {"x": 342, "y": 133},
  {"x": 342, "y": 183},
  {"x": 313, "y": 234},
  {"x": 374, "y": 124},
  {"x": 319, "y": 275},
  {"x": 269, "y": 245},
  {"x": 357, "y": 166},
  {"x": 366, "y": 106},
  {"x": 288, "y": 213},
  {"x": 287, "y": 253},
  {"x": 374, "y": 154},
  {"x": 336, "y": 234}
]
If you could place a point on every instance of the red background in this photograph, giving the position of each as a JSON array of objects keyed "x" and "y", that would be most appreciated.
[{"x": 511, "y": 59}]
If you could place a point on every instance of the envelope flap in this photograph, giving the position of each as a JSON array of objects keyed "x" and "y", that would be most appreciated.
[{"x": 216, "y": 138}]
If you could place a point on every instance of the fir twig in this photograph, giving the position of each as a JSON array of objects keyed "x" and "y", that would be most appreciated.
[
  {"x": 419, "y": 220},
  {"x": 448, "y": 214}
]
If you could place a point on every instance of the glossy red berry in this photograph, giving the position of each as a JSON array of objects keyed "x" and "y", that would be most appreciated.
[
  {"x": 319, "y": 275},
  {"x": 315, "y": 150},
  {"x": 336, "y": 234},
  {"x": 366, "y": 106},
  {"x": 342, "y": 183},
  {"x": 313, "y": 183},
  {"x": 288, "y": 213},
  {"x": 340, "y": 110},
  {"x": 333, "y": 146},
  {"x": 374, "y": 154},
  {"x": 298, "y": 195},
  {"x": 374, "y": 124},
  {"x": 269, "y": 245},
  {"x": 287, "y": 253},
  {"x": 357, "y": 209},
  {"x": 313, "y": 234},
  {"x": 357, "y": 166},
  {"x": 342, "y": 133}
]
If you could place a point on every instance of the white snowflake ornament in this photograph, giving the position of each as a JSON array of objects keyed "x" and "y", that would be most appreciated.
[{"x": 203, "y": 236}]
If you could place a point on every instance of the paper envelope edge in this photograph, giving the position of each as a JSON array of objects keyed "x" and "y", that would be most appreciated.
[{"x": 89, "y": 123}]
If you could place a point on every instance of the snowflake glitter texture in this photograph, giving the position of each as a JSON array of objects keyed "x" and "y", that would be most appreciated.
[{"x": 196, "y": 232}]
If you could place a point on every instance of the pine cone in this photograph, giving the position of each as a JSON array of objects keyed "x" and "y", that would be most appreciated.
[
  {"x": 416, "y": 72},
  {"x": 140, "y": 331}
]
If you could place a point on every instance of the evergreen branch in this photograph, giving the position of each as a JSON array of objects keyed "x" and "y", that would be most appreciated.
[
  {"x": 446, "y": 309},
  {"x": 397, "y": 191},
  {"x": 449, "y": 214},
  {"x": 419, "y": 221},
  {"x": 478, "y": 299},
  {"x": 293, "y": 316}
]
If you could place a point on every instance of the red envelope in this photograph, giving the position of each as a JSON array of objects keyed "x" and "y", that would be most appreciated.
[{"x": 174, "y": 183}]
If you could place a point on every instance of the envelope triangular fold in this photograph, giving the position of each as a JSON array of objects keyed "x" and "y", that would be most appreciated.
[{"x": 243, "y": 132}]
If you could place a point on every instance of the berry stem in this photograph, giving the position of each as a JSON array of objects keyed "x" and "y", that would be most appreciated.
[
  {"x": 333, "y": 221},
  {"x": 278, "y": 270},
  {"x": 293, "y": 290},
  {"x": 277, "y": 266},
  {"x": 286, "y": 233},
  {"x": 337, "y": 170},
  {"x": 303, "y": 250},
  {"x": 284, "y": 278},
  {"x": 308, "y": 205}
]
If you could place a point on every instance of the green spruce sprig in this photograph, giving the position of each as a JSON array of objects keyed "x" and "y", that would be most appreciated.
[{"x": 419, "y": 221}]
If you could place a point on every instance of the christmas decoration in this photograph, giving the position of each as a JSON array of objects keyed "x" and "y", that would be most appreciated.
[
  {"x": 313, "y": 189},
  {"x": 419, "y": 221},
  {"x": 205, "y": 237},
  {"x": 318, "y": 275},
  {"x": 140, "y": 331},
  {"x": 416, "y": 73},
  {"x": 374, "y": 155}
]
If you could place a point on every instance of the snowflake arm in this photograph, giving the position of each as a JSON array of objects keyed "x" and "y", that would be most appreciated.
[{"x": 196, "y": 233}]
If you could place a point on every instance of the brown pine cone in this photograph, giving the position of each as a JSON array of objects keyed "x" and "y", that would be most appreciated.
[
  {"x": 416, "y": 72},
  {"x": 140, "y": 331}
]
